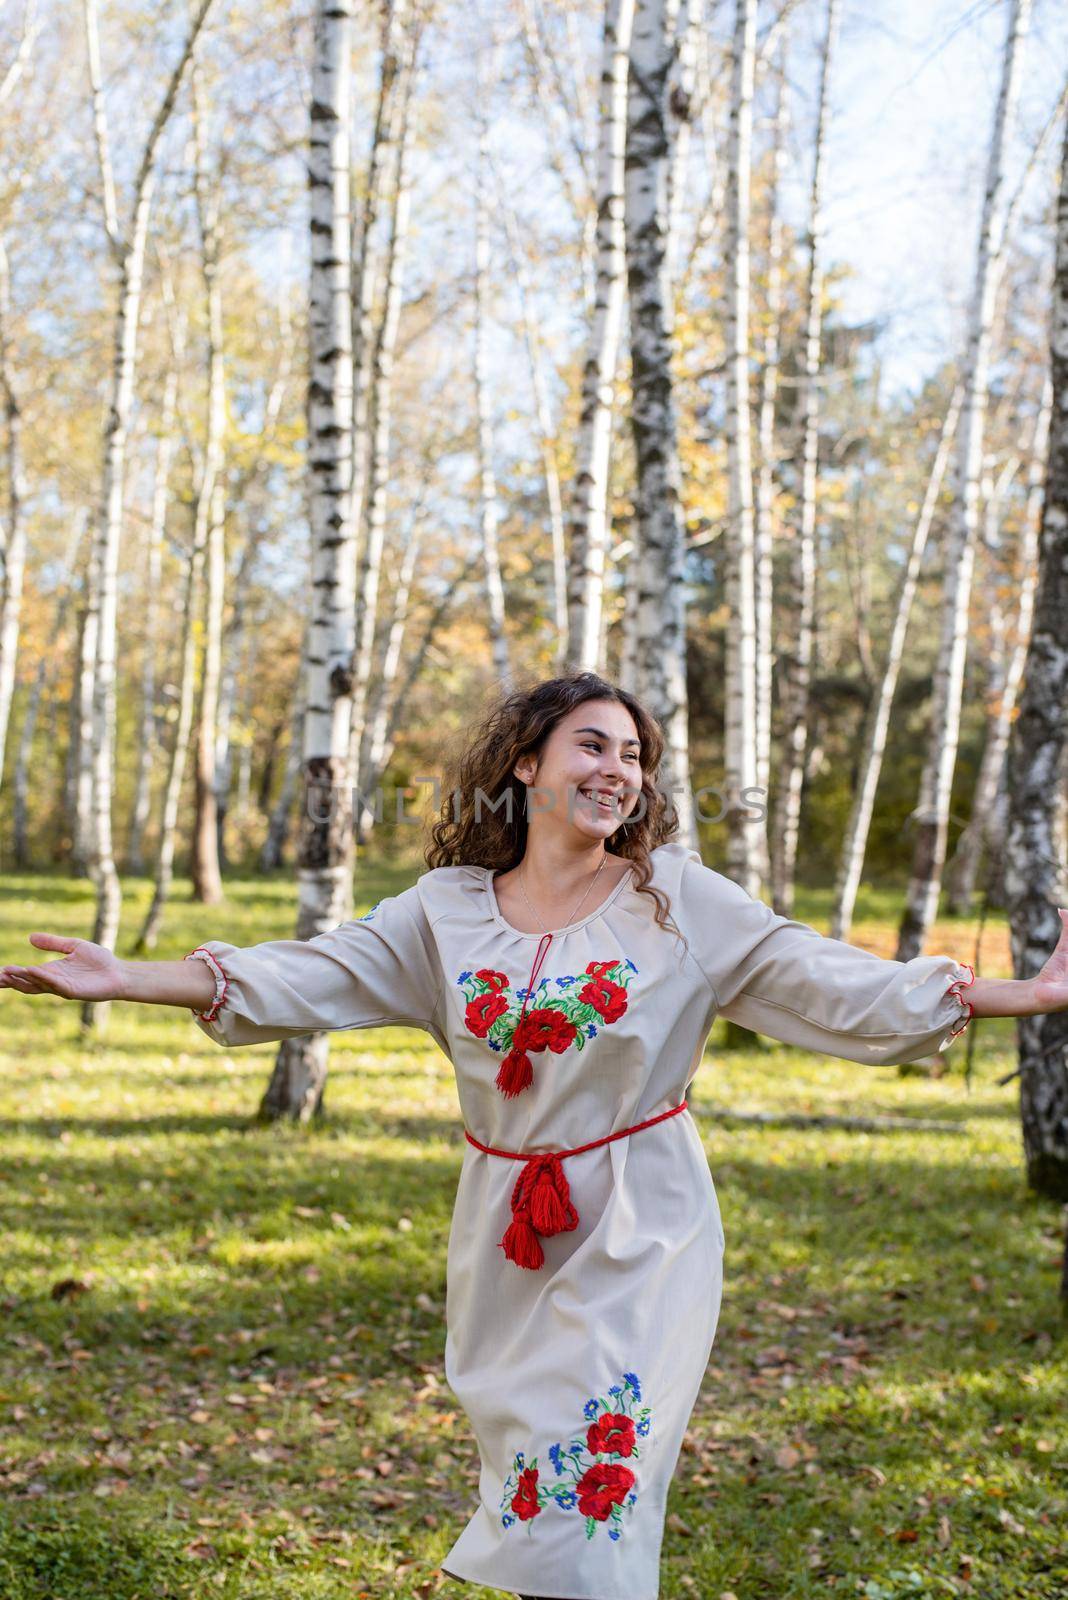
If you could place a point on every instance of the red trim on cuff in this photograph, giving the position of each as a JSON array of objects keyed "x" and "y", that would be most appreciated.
[
  {"x": 219, "y": 973},
  {"x": 954, "y": 990}
]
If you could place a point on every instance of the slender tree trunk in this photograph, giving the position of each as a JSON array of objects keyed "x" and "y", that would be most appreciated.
[
  {"x": 365, "y": 250},
  {"x": 172, "y": 788},
  {"x": 204, "y": 862},
  {"x": 373, "y": 751},
  {"x": 12, "y": 528},
  {"x": 281, "y": 813},
  {"x": 963, "y": 870},
  {"x": 382, "y": 392},
  {"x": 932, "y": 811},
  {"x": 325, "y": 852},
  {"x": 851, "y": 860},
  {"x": 488, "y": 514},
  {"x": 746, "y": 833},
  {"x": 1035, "y": 771},
  {"x": 128, "y": 248},
  {"x": 797, "y": 662},
  {"x": 546, "y": 438},
  {"x": 682, "y": 91},
  {"x": 148, "y": 741},
  {"x": 45, "y": 667},
  {"x": 660, "y": 642},
  {"x": 764, "y": 497},
  {"x": 588, "y": 510}
]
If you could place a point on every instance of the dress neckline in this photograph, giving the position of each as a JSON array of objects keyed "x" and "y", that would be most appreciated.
[{"x": 570, "y": 927}]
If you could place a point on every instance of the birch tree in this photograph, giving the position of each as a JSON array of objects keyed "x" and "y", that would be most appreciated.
[
  {"x": 532, "y": 342},
  {"x": 746, "y": 833},
  {"x": 931, "y": 817},
  {"x": 877, "y": 724},
  {"x": 12, "y": 522},
  {"x": 154, "y": 537},
  {"x": 660, "y": 620},
  {"x": 487, "y": 480},
  {"x": 796, "y": 661},
  {"x": 325, "y": 849},
  {"x": 204, "y": 854},
  {"x": 369, "y": 576},
  {"x": 127, "y": 245},
  {"x": 1035, "y": 768},
  {"x": 1009, "y": 662},
  {"x": 587, "y": 529},
  {"x": 764, "y": 493}
]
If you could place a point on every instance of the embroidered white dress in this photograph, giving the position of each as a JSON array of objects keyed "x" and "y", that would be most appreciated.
[{"x": 579, "y": 1376}]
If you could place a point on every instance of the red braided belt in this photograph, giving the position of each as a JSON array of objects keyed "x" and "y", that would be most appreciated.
[{"x": 541, "y": 1199}]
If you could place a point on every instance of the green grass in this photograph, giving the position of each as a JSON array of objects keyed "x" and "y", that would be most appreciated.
[{"x": 244, "y": 1396}]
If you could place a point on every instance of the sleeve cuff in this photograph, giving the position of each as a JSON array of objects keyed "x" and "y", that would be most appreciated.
[
  {"x": 954, "y": 990},
  {"x": 222, "y": 983}
]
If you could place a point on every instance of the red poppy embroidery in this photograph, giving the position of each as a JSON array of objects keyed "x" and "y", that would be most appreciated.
[
  {"x": 561, "y": 1012},
  {"x": 602, "y": 1491},
  {"x": 525, "y": 1500},
  {"x": 603, "y": 1487},
  {"x": 612, "y": 1434}
]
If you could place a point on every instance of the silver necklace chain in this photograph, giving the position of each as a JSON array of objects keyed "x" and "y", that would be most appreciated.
[{"x": 585, "y": 892}]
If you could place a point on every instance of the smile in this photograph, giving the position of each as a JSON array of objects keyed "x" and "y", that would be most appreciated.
[{"x": 603, "y": 799}]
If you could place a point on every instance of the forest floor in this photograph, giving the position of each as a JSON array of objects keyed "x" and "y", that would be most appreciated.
[{"x": 221, "y": 1342}]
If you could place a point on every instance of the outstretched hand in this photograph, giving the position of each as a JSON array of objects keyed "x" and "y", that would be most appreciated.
[
  {"x": 1051, "y": 984},
  {"x": 87, "y": 971}
]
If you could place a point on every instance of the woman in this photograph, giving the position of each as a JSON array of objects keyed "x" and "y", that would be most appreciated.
[{"x": 569, "y": 957}]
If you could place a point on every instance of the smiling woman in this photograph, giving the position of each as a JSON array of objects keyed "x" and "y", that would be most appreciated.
[{"x": 585, "y": 1256}]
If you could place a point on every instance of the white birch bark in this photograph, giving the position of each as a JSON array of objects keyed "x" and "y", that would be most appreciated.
[
  {"x": 148, "y": 739},
  {"x": 962, "y": 871},
  {"x": 325, "y": 850},
  {"x": 204, "y": 852},
  {"x": 851, "y": 860},
  {"x": 163, "y": 877},
  {"x": 12, "y": 525},
  {"x": 931, "y": 816},
  {"x": 1036, "y": 765},
  {"x": 366, "y": 251},
  {"x": 746, "y": 831},
  {"x": 487, "y": 481},
  {"x": 128, "y": 248},
  {"x": 382, "y": 393},
  {"x": 532, "y": 343},
  {"x": 281, "y": 812},
  {"x": 660, "y": 641},
  {"x": 46, "y": 667},
  {"x": 376, "y": 749},
  {"x": 797, "y": 661},
  {"x": 588, "y": 509},
  {"x": 764, "y": 494},
  {"x": 682, "y": 90}
]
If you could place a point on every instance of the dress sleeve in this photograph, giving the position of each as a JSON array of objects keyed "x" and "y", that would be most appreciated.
[
  {"x": 781, "y": 978},
  {"x": 374, "y": 971}
]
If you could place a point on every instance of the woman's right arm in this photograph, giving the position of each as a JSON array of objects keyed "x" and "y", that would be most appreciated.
[{"x": 90, "y": 971}]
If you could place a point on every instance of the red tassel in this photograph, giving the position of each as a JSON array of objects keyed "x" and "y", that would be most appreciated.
[
  {"x": 521, "y": 1245},
  {"x": 546, "y": 1211},
  {"x": 516, "y": 1073}
]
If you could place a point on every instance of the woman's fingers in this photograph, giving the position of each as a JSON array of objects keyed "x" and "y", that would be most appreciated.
[{"x": 53, "y": 941}]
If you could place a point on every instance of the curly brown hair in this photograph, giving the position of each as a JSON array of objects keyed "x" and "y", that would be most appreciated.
[{"x": 519, "y": 722}]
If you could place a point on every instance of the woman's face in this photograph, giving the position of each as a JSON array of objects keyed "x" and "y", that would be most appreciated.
[{"x": 594, "y": 747}]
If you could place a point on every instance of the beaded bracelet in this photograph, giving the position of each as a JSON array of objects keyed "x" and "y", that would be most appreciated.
[
  {"x": 954, "y": 990},
  {"x": 221, "y": 982}
]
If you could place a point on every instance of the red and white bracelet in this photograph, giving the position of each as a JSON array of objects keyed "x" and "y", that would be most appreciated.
[
  {"x": 954, "y": 990},
  {"x": 222, "y": 983}
]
